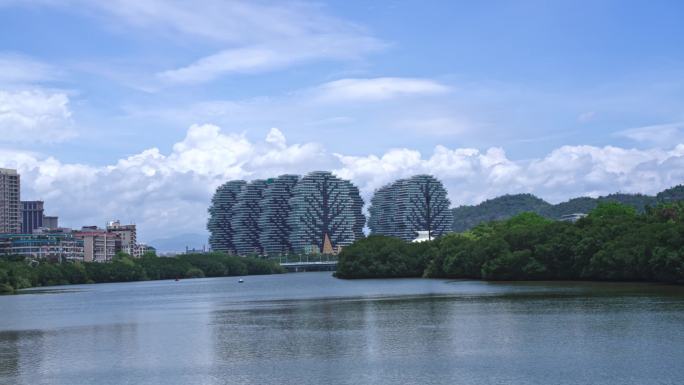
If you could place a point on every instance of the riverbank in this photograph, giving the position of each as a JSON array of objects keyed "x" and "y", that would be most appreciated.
[
  {"x": 613, "y": 243},
  {"x": 17, "y": 273}
]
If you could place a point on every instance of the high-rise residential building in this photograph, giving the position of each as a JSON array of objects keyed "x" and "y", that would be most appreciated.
[
  {"x": 51, "y": 222},
  {"x": 99, "y": 245},
  {"x": 52, "y": 245},
  {"x": 245, "y": 218},
  {"x": 10, "y": 201},
  {"x": 325, "y": 211},
  {"x": 382, "y": 211},
  {"x": 220, "y": 212},
  {"x": 31, "y": 216},
  {"x": 275, "y": 211},
  {"x": 127, "y": 235},
  {"x": 408, "y": 206},
  {"x": 141, "y": 249},
  {"x": 357, "y": 209}
]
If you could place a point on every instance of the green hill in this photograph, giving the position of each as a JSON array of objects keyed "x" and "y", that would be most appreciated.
[
  {"x": 504, "y": 207},
  {"x": 675, "y": 193},
  {"x": 507, "y": 206}
]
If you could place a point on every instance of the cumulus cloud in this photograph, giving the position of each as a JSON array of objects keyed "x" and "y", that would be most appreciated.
[
  {"x": 472, "y": 176},
  {"x": 162, "y": 193},
  {"x": 35, "y": 116},
  {"x": 168, "y": 193},
  {"x": 377, "y": 89}
]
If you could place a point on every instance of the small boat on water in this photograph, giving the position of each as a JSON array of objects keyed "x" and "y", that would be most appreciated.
[{"x": 240, "y": 280}]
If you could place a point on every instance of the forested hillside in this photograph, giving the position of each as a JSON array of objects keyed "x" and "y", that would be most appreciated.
[
  {"x": 507, "y": 206},
  {"x": 612, "y": 243}
]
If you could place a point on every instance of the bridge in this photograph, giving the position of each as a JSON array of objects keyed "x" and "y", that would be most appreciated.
[{"x": 309, "y": 266}]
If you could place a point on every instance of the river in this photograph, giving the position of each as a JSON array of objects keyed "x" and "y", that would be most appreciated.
[{"x": 310, "y": 328}]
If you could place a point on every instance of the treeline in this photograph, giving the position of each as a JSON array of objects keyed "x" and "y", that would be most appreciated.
[
  {"x": 507, "y": 206},
  {"x": 613, "y": 243},
  {"x": 19, "y": 272}
]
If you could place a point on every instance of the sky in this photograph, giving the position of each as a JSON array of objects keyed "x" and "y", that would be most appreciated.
[{"x": 138, "y": 109}]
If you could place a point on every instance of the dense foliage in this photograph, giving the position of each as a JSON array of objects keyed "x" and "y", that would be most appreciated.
[
  {"x": 507, "y": 206},
  {"x": 613, "y": 243},
  {"x": 19, "y": 273},
  {"x": 503, "y": 207}
]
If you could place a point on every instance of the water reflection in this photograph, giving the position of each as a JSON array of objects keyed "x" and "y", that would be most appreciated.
[{"x": 351, "y": 332}]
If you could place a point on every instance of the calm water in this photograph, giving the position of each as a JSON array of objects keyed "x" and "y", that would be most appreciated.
[{"x": 310, "y": 328}]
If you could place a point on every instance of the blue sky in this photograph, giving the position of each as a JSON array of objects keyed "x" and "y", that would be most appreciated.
[{"x": 493, "y": 97}]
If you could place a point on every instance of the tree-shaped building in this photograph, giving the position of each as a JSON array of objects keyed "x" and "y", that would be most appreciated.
[
  {"x": 275, "y": 211},
  {"x": 245, "y": 218},
  {"x": 407, "y": 206},
  {"x": 220, "y": 212},
  {"x": 325, "y": 206}
]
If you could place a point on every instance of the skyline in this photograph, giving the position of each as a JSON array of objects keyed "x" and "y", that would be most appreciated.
[{"x": 122, "y": 121}]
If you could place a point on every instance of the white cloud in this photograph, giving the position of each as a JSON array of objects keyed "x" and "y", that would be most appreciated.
[
  {"x": 266, "y": 57},
  {"x": 276, "y": 137},
  {"x": 377, "y": 89},
  {"x": 35, "y": 116},
  {"x": 660, "y": 134},
  {"x": 160, "y": 192},
  {"x": 168, "y": 194},
  {"x": 255, "y": 36},
  {"x": 243, "y": 36},
  {"x": 586, "y": 117},
  {"x": 18, "y": 69},
  {"x": 235, "y": 60},
  {"x": 570, "y": 171}
]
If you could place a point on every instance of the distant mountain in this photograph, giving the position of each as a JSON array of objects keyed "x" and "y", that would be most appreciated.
[
  {"x": 672, "y": 194},
  {"x": 586, "y": 204},
  {"x": 504, "y": 207},
  {"x": 178, "y": 243}
]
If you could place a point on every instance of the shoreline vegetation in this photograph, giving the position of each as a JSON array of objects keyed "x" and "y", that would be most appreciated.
[
  {"x": 613, "y": 243},
  {"x": 17, "y": 272}
]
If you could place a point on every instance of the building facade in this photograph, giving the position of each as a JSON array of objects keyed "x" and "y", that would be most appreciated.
[
  {"x": 245, "y": 218},
  {"x": 382, "y": 211},
  {"x": 357, "y": 211},
  {"x": 54, "y": 246},
  {"x": 325, "y": 209},
  {"x": 141, "y": 249},
  {"x": 51, "y": 222},
  {"x": 408, "y": 206},
  {"x": 10, "y": 201},
  {"x": 220, "y": 213},
  {"x": 127, "y": 236},
  {"x": 275, "y": 211},
  {"x": 99, "y": 245},
  {"x": 31, "y": 216}
]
